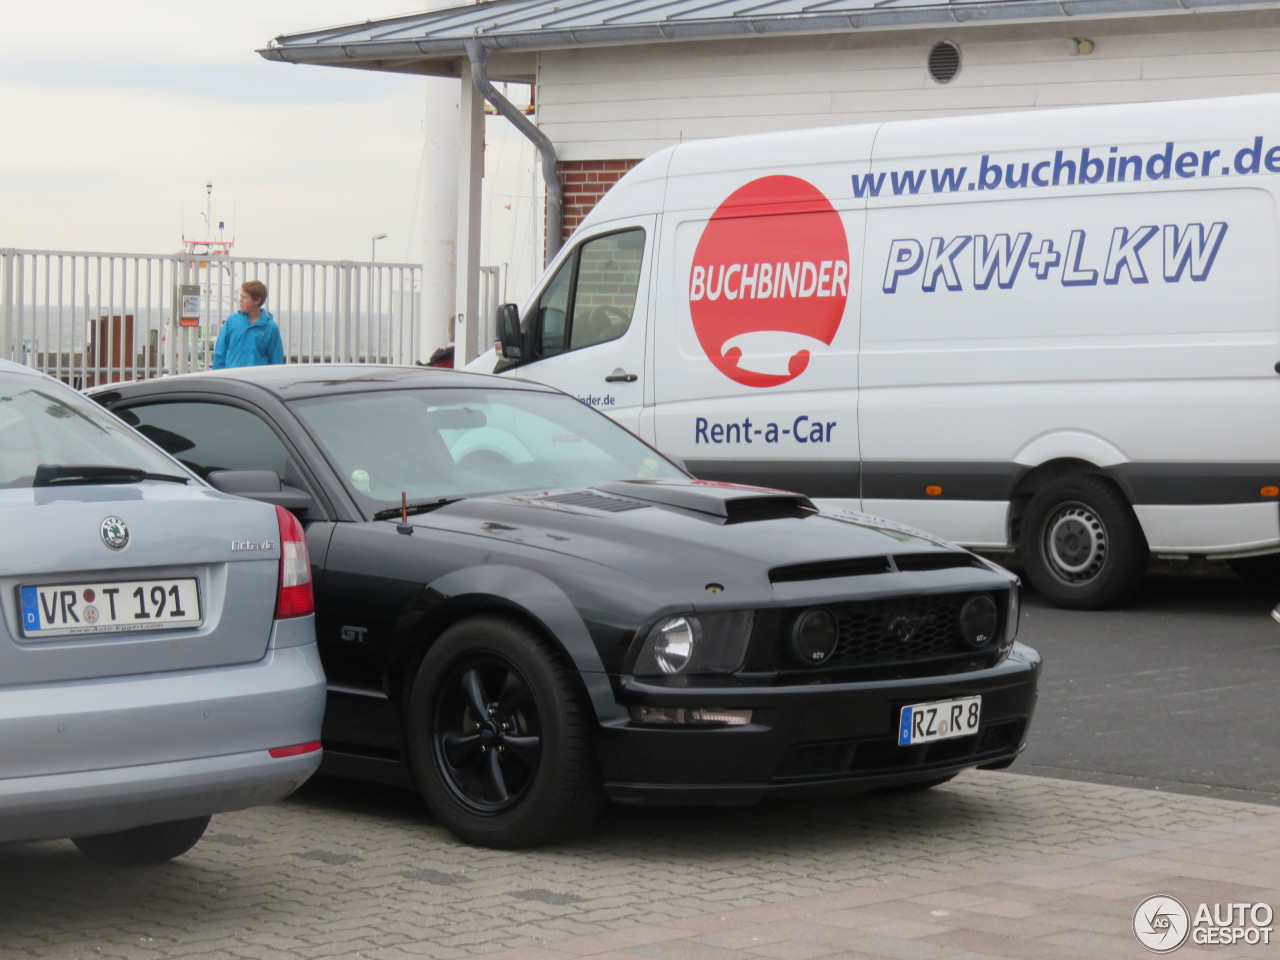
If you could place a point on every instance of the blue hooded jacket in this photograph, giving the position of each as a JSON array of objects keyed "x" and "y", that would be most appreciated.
[{"x": 245, "y": 344}]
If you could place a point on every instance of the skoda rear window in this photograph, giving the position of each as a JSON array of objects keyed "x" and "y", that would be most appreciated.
[{"x": 43, "y": 423}]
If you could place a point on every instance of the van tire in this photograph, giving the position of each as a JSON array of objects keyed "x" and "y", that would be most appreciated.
[
  {"x": 1082, "y": 547},
  {"x": 500, "y": 738}
]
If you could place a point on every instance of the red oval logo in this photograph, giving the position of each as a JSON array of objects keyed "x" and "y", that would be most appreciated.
[{"x": 769, "y": 281}]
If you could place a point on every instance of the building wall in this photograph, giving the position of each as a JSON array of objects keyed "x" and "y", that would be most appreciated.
[
  {"x": 585, "y": 182},
  {"x": 625, "y": 102}
]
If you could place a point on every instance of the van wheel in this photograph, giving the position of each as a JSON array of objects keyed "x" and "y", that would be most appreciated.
[
  {"x": 1082, "y": 547},
  {"x": 153, "y": 843},
  {"x": 500, "y": 738}
]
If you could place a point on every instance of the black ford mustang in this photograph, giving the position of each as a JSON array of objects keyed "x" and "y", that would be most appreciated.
[{"x": 523, "y": 609}]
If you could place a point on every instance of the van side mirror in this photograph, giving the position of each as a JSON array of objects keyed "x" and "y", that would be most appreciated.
[{"x": 509, "y": 345}]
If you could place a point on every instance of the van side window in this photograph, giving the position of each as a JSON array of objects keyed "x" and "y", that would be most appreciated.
[
  {"x": 553, "y": 310},
  {"x": 592, "y": 296}
]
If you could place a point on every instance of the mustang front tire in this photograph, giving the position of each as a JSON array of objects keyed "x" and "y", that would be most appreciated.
[{"x": 500, "y": 737}]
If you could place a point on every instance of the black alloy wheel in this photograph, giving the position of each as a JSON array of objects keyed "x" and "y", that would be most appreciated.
[
  {"x": 487, "y": 736},
  {"x": 500, "y": 738}
]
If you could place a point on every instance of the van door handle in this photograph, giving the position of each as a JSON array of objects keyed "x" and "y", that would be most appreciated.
[{"x": 621, "y": 376}]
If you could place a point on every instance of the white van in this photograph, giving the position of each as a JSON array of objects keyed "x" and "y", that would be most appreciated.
[{"x": 1054, "y": 330}]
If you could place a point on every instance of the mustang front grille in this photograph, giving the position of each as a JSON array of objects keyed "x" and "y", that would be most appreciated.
[{"x": 892, "y": 632}]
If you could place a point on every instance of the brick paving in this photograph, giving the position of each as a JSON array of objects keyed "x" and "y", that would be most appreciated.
[{"x": 992, "y": 865}]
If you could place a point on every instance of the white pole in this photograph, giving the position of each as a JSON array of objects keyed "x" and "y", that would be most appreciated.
[
  {"x": 440, "y": 212},
  {"x": 467, "y": 330}
]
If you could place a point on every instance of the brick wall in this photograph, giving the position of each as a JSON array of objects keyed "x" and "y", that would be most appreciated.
[{"x": 585, "y": 182}]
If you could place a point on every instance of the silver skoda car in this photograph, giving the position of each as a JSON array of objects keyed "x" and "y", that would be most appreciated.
[{"x": 157, "y": 639}]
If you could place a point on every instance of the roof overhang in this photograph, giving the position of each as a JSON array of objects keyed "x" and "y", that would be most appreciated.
[{"x": 433, "y": 43}]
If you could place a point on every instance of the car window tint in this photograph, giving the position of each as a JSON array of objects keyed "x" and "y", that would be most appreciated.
[
  {"x": 366, "y": 446},
  {"x": 553, "y": 309},
  {"x": 42, "y": 422},
  {"x": 604, "y": 296},
  {"x": 212, "y": 436},
  {"x": 448, "y": 442}
]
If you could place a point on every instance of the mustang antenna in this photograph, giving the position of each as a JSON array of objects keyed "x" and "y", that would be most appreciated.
[{"x": 404, "y": 526}]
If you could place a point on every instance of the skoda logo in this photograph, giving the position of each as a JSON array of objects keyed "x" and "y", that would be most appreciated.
[{"x": 114, "y": 533}]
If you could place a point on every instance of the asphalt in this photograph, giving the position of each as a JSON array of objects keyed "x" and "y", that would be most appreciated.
[{"x": 992, "y": 865}]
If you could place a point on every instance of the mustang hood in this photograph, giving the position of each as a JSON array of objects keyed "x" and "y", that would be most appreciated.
[{"x": 683, "y": 534}]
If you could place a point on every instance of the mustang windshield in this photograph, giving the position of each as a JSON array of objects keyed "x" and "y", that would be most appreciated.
[{"x": 442, "y": 443}]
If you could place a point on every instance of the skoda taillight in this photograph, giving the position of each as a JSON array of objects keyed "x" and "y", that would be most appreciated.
[{"x": 294, "y": 597}]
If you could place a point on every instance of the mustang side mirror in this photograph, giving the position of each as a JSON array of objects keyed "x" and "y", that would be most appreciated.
[{"x": 263, "y": 485}]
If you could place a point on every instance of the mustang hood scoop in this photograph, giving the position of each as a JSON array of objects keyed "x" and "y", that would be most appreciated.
[{"x": 729, "y": 502}]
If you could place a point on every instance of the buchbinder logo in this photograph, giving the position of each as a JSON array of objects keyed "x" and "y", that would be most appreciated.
[{"x": 769, "y": 281}]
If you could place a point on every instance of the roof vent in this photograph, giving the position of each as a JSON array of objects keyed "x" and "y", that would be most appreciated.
[
  {"x": 594, "y": 501},
  {"x": 935, "y": 561},
  {"x": 829, "y": 569},
  {"x": 944, "y": 61}
]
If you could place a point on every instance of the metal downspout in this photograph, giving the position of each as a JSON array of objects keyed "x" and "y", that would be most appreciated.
[{"x": 478, "y": 53}]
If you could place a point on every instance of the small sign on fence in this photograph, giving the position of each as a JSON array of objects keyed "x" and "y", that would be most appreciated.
[{"x": 189, "y": 297}]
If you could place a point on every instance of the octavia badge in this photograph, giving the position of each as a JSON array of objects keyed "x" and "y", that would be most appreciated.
[{"x": 114, "y": 533}]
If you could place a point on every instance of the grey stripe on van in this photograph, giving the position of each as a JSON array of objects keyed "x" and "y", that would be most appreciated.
[{"x": 1144, "y": 483}]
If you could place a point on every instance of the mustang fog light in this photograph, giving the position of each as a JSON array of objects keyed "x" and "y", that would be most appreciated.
[
  {"x": 814, "y": 636},
  {"x": 979, "y": 620},
  {"x": 697, "y": 716}
]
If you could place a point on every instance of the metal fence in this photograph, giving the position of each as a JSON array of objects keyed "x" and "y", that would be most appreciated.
[{"x": 90, "y": 318}]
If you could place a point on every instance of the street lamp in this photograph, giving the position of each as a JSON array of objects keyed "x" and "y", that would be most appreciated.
[{"x": 373, "y": 245}]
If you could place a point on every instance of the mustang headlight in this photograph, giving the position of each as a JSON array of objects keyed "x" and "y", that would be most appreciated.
[
  {"x": 706, "y": 643},
  {"x": 673, "y": 642},
  {"x": 1010, "y": 622}
]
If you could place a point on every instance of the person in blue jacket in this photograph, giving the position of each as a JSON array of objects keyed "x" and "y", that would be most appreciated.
[{"x": 249, "y": 337}]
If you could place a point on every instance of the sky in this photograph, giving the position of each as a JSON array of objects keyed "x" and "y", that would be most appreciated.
[{"x": 117, "y": 113}]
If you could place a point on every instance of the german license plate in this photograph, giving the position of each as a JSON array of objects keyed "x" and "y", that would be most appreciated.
[
  {"x": 69, "y": 609},
  {"x": 939, "y": 720}
]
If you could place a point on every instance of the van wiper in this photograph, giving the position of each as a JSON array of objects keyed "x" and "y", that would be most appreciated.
[
  {"x": 415, "y": 507},
  {"x": 69, "y": 474}
]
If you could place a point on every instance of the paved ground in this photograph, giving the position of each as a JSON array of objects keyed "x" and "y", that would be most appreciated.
[
  {"x": 1177, "y": 690},
  {"x": 993, "y": 865}
]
